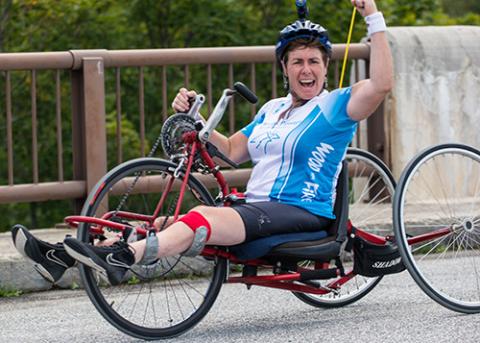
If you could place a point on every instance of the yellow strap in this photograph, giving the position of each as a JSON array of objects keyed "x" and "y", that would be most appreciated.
[{"x": 348, "y": 46}]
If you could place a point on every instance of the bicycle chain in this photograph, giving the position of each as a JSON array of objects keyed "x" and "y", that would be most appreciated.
[
  {"x": 160, "y": 139},
  {"x": 145, "y": 270}
]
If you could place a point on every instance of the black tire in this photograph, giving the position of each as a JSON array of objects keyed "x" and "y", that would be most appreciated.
[
  {"x": 175, "y": 293},
  {"x": 440, "y": 188},
  {"x": 378, "y": 185}
]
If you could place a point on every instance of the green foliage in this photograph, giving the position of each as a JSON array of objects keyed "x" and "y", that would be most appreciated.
[
  {"x": 130, "y": 140},
  {"x": 461, "y": 8},
  {"x": 51, "y": 25},
  {"x": 182, "y": 24},
  {"x": 63, "y": 25},
  {"x": 9, "y": 293},
  {"x": 469, "y": 19},
  {"x": 399, "y": 13},
  {"x": 133, "y": 280}
]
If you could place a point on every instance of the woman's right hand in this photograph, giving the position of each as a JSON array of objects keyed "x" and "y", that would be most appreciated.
[{"x": 181, "y": 102}]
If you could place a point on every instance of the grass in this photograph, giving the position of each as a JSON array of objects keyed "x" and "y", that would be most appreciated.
[
  {"x": 430, "y": 250},
  {"x": 133, "y": 280},
  {"x": 10, "y": 293}
]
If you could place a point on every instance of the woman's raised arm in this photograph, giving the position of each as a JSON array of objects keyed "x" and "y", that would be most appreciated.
[{"x": 368, "y": 94}]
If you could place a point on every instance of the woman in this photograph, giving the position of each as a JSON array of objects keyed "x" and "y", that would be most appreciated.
[{"x": 296, "y": 143}]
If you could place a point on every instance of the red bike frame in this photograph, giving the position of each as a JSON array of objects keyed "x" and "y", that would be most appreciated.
[{"x": 285, "y": 281}]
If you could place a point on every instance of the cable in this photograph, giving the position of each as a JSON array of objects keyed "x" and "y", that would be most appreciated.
[{"x": 352, "y": 22}]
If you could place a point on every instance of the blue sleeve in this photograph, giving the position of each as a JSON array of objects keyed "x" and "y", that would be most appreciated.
[
  {"x": 259, "y": 118},
  {"x": 336, "y": 109}
]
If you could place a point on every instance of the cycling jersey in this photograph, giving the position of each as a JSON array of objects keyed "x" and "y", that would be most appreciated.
[{"x": 297, "y": 159}]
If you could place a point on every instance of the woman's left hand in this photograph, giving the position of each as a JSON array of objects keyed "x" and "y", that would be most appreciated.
[{"x": 365, "y": 7}]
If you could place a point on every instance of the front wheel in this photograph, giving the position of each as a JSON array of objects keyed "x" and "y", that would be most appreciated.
[
  {"x": 166, "y": 298},
  {"x": 370, "y": 195},
  {"x": 437, "y": 209}
]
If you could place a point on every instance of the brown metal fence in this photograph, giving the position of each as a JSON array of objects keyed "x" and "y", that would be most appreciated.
[{"x": 94, "y": 84}]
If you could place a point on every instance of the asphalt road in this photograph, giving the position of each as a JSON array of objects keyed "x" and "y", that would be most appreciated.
[{"x": 395, "y": 311}]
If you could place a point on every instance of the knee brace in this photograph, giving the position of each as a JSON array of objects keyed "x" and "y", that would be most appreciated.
[{"x": 201, "y": 229}]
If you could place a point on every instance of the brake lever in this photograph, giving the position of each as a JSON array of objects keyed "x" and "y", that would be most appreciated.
[{"x": 214, "y": 152}]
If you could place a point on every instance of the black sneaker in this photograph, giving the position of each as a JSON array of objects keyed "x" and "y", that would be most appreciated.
[
  {"x": 112, "y": 261},
  {"x": 50, "y": 260}
]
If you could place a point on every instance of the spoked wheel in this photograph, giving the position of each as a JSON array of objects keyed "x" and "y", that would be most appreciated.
[
  {"x": 437, "y": 208},
  {"x": 170, "y": 296},
  {"x": 371, "y": 189}
]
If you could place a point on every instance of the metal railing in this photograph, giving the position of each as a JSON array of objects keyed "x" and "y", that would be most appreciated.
[{"x": 86, "y": 90}]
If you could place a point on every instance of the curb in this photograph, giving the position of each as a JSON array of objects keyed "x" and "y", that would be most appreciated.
[{"x": 18, "y": 274}]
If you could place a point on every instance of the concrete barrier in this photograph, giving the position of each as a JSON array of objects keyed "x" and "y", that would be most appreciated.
[{"x": 436, "y": 98}]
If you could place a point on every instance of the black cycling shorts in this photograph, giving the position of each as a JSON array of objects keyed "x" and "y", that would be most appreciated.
[{"x": 267, "y": 218}]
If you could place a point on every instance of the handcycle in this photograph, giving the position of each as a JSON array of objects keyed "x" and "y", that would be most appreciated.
[{"x": 324, "y": 269}]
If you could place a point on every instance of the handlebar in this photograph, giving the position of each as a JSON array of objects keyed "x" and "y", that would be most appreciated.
[
  {"x": 245, "y": 92},
  {"x": 197, "y": 103},
  {"x": 217, "y": 114}
]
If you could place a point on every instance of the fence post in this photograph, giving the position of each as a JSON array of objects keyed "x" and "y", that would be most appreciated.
[
  {"x": 95, "y": 127},
  {"x": 89, "y": 128},
  {"x": 78, "y": 132}
]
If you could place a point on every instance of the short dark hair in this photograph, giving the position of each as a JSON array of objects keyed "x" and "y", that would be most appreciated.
[{"x": 305, "y": 43}]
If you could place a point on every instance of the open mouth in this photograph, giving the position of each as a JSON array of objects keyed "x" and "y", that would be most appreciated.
[{"x": 307, "y": 83}]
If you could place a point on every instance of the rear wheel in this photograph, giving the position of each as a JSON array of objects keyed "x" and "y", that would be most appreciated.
[
  {"x": 371, "y": 189},
  {"x": 438, "y": 204},
  {"x": 170, "y": 296}
]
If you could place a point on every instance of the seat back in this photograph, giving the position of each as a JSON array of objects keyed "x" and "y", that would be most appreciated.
[{"x": 340, "y": 209}]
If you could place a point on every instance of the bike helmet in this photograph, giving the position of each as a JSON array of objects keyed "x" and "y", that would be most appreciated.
[{"x": 302, "y": 29}]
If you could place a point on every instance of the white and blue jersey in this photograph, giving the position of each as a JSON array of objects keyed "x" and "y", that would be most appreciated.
[{"x": 297, "y": 160}]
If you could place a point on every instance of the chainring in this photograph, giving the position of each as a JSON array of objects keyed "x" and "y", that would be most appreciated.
[{"x": 172, "y": 131}]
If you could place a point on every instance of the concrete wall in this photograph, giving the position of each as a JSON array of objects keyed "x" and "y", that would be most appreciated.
[{"x": 436, "y": 98}]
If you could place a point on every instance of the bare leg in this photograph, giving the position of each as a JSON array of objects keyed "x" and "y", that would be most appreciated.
[
  {"x": 157, "y": 224},
  {"x": 160, "y": 222},
  {"x": 227, "y": 229}
]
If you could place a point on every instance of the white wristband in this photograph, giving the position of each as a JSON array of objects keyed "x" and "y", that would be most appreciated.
[{"x": 375, "y": 23}]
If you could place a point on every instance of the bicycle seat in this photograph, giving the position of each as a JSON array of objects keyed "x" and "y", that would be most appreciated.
[{"x": 318, "y": 245}]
